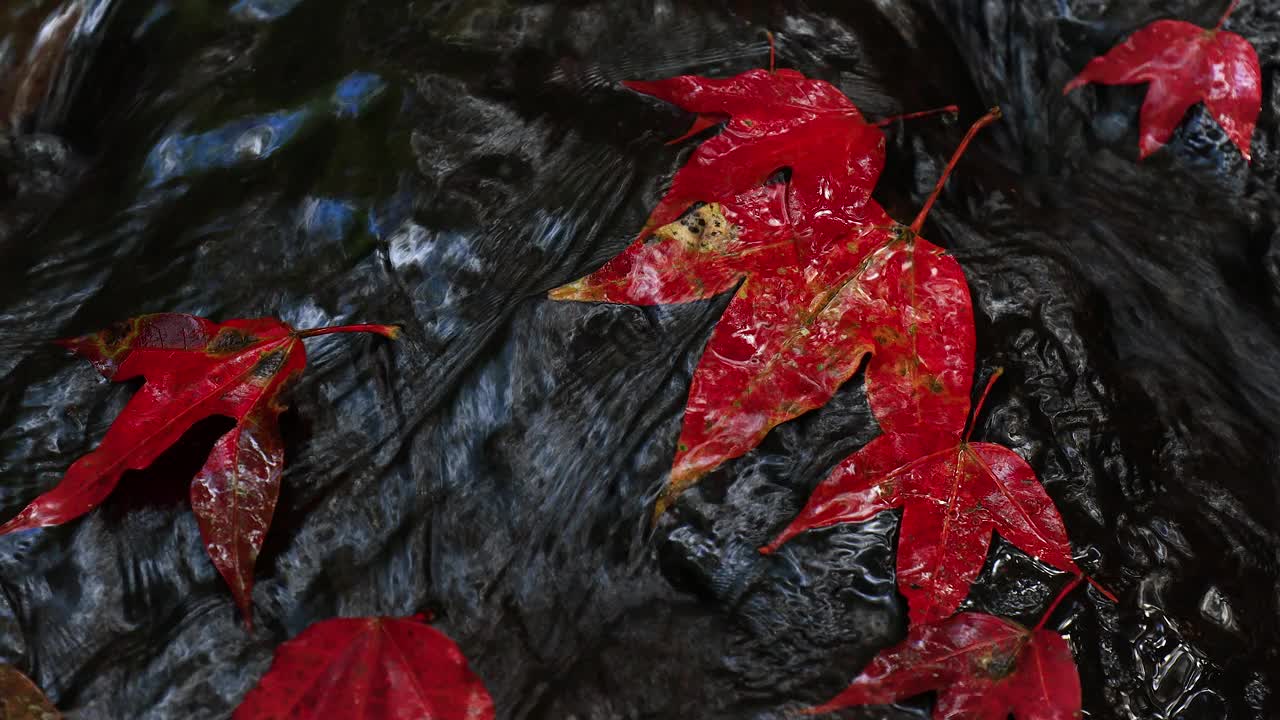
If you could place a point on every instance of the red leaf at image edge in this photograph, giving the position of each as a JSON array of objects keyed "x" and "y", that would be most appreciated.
[
  {"x": 983, "y": 667},
  {"x": 194, "y": 369},
  {"x": 383, "y": 668},
  {"x": 1184, "y": 64}
]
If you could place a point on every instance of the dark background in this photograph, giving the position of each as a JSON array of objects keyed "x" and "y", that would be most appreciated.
[{"x": 443, "y": 164}]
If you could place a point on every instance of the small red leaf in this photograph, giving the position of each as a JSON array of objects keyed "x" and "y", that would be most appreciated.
[
  {"x": 383, "y": 668},
  {"x": 194, "y": 369},
  {"x": 953, "y": 499},
  {"x": 1184, "y": 64},
  {"x": 983, "y": 667}
]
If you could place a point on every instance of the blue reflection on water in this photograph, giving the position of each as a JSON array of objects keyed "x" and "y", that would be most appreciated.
[
  {"x": 263, "y": 10},
  {"x": 384, "y": 219},
  {"x": 242, "y": 141},
  {"x": 327, "y": 218},
  {"x": 255, "y": 138},
  {"x": 355, "y": 93}
]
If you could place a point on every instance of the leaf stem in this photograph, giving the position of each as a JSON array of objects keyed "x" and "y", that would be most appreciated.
[
  {"x": 390, "y": 331},
  {"x": 772, "y": 52},
  {"x": 1105, "y": 592},
  {"x": 991, "y": 116},
  {"x": 977, "y": 408},
  {"x": 1056, "y": 602},
  {"x": 949, "y": 109},
  {"x": 1230, "y": 9}
]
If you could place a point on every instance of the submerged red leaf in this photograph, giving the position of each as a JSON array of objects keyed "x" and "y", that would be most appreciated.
[
  {"x": 20, "y": 699},
  {"x": 983, "y": 667},
  {"x": 1184, "y": 64},
  {"x": 384, "y": 668},
  {"x": 194, "y": 369}
]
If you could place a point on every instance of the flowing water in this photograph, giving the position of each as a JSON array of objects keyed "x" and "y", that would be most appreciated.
[{"x": 443, "y": 164}]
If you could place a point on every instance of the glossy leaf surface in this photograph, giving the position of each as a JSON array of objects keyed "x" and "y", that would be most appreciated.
[
  {"x": 1184, "y": 64},
  {"x": 20, "y": 699},
  {"x": 952, "y": 500},
  {"x": 983, "y": 667},
  {"x": 776, "y": 120},
  {"x": 796, "y": 328},
  {"x": 194, "y": 369},
  {"x": 374, "y": 668},
  {"x": 917, "y": 302}
]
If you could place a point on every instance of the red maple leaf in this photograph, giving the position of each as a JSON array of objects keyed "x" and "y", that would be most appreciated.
[
  {"x": 776, "y": 119},
  {"x": 953, "y": 492},
  {"x": 194, "y": 369},
  {"x": 384, "y": 668},
  {"x": 796, "y": 329},
  {"x": 952, "y": 499},
  {"x": 20, "y": 699},
  {"x": 984, "y": 667},
  {"x": 1184, "y": 65}
]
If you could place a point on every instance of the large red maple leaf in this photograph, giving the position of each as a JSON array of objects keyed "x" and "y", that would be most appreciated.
[
  {"x": 383, "y": 668},
  {"x": 983, "y": 667},
  {"x": 953, "y": 492},
  {"x": 1184, "y": 65},
  {"x": 194, "y": 369},
  {"x": 788, "y": 338}
]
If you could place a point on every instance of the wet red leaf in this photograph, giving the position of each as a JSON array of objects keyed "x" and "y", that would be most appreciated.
[
  {"x": 775, "y": 120},
  {"x": 1184, "y": 64},
  {"x": 952, "y": 499},
  {"x": 984, "y": 667},
  {"x": 384, "y": 668},
  {"x": 953, "y": 493},
  {"x": 194, "y": 369},
  {"x": 20, "y": 699},
  {"x": 917, "y": 301},
  {"x": 790, "y": 336}
]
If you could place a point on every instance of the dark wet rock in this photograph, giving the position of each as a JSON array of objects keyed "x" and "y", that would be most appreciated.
[{"x": 443, "y": 164}]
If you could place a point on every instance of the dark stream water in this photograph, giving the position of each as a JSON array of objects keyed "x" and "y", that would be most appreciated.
[{"x": 443, "y": 164}]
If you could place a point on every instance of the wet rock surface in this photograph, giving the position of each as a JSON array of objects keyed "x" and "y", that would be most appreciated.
[{"x": 444, "y": 164}]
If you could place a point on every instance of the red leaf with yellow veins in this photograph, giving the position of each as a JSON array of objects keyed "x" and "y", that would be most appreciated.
[
  {"x": 20, "y": 699},
  {"x": 919, "y": 381},
  {"x": 1185, "y": 64},
  {"x": 194, "y": 369},
  {"x": 983, "y": 667},
  {"x": 383, "y": 668}
]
